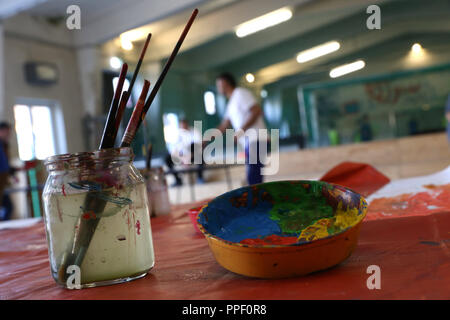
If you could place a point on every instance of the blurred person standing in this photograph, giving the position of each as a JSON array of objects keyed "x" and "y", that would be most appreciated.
[
  {"x": 5, "y": 171},
  {"x": 242, "y": 113},
  {"x": 365, "y": 129},
  {"x": 183, "y": 150}
]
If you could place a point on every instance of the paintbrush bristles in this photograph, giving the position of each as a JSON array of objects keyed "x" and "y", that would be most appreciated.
[{"x": 135, "y": 117}]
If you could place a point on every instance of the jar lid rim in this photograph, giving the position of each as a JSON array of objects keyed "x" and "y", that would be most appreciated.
[{"x": 97, "y": 155}]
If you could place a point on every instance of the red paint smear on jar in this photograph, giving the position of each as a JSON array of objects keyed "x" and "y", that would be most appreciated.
[
  {"x": 138, "y": 227},
  {"x": 270, "y": 240},
  {"x": 89, "y": 215},
  {"x": 64, "y": 191}
]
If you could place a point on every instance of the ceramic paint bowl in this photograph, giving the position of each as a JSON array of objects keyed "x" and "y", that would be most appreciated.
[
  {"x": 193, "y": 214},
  {"x": 284, "y": 228}
]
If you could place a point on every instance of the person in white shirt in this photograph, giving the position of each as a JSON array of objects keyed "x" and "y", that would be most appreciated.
[{"x": 243, "y": 113}]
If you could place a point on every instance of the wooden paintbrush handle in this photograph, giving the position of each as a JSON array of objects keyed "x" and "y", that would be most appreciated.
[{"x": 135, "y": 117}]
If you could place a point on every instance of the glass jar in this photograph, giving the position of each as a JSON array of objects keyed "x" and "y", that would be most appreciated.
[
  {"x": 157, "y": 191},
  {"x": 97, "y": 219}
]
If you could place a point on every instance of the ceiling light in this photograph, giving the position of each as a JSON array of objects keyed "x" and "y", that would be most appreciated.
[
  {"x": 347, "y": 68},
  {"x": 268, "y": 20},
  {"x": 249, "y": 77},
  {"x": 263, "y": 93},
  {"x": 127, "y": 38},
  {"x": 126, "y": 44},
  {"x": 417, "y": 55},
  {"x": 135, "y": 34},
  {"x": 318, "y": 51},
  {"x": 416, "y": 48},
  {"x": 115, "y": 62}
]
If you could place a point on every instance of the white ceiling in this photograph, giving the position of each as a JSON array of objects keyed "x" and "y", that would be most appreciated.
[
  {"x": 104, "y": 20},
  {"x": 10, "y": 8},
  {"x": 209, "y": 25},
  {"x": 90, "y": 9}
]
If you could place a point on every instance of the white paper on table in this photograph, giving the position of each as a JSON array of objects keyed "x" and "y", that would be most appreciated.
[
  {"x": 412, "y": 185},
  {"x": 19, "y": 223}
]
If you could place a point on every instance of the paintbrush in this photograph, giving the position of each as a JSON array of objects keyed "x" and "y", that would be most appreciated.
[
  {"x": 126, "y": 94},
  {"x": 76, "y": 255},
  {"x": 130, "y": 132},
  {"x": 92, "y": 203},
  {"x": 167, "y": 66},
  {"x": 108, "y": 136}
]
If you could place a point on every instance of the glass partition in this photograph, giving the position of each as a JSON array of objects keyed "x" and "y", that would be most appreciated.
[{"x": 391, "y": 106}]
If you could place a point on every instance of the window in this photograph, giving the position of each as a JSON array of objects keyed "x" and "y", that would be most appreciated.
[
  {"x": 35, "y": 131},
  {"x": 126, "y": 86},
  {"x": 170, "y": 121},
  {"x": 210, "y": 102}
]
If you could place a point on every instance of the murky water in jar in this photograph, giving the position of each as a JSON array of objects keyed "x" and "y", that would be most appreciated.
[{"x": 122, "y": 242}]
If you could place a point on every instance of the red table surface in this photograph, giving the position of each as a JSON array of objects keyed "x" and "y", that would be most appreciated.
[{"x": 412, "y": 251}]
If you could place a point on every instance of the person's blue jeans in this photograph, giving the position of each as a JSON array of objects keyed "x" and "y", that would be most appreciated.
[{"x": 253, "y": 170}]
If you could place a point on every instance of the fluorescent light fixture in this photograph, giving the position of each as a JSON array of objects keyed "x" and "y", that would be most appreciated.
[
  {"x": 127, "y": 38},
  {"x": 347, "y": 68},
  {"x": 250, "y": 77},
  {"x": 115, "y": 62},
  {"x": 416, "y": 48},
  {"x": 318, "y": 51},
  {"x": 135, "y": 34},
  {"x": 263, "y": 22}
]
